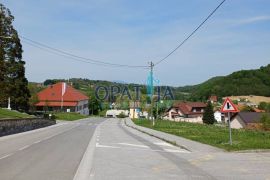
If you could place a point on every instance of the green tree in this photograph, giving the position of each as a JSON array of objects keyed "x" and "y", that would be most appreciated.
[
  {"x": 265, "y": 120},
  {"x": 263, "y": 105},
  {"x": 208, "y": 115},
  {"x": 94, "y": 106},
  {"x": 13, "y": 83}
]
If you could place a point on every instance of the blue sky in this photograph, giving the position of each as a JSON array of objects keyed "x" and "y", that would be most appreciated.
[{"x": 135, "y": 32}]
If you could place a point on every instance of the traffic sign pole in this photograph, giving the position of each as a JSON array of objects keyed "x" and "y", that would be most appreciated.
[
  {"x": 229, "y": 107},
  {"x": 230, "y": 129}
]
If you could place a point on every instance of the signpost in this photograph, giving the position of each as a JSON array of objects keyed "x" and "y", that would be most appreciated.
[{"x": 229, "y": 107}]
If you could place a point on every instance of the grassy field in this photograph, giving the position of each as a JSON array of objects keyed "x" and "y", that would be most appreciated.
[
  {"x": 212, "y": 135},
  {"x": 5, "y": 113},
  {"x": 254, "y": 99},
  {"x": 69, "y": 116}
]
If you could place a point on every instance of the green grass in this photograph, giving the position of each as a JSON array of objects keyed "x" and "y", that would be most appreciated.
[
  {"x": 5, "y": 114},
  {"x": 69, "y": 116},
  {"x": 212, "y": 135}
]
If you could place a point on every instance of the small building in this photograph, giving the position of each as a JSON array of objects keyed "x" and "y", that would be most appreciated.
[
  {"x": 186, "y": 111},
  {"x": 134, "y": 111},
  {"x": 218, "y": 116},
  {"x": 62, "y": 97},
  {"x": 114, "y": 113},
  {"x": 213, "y": 99},
  {"x": 245, "y": 119}
]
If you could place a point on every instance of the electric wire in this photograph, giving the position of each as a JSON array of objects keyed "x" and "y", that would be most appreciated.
[
  {"x": 192, "y": 33},
  {"x": 67, "y": 54}
]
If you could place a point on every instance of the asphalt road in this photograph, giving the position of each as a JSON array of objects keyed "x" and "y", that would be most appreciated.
[
  {"x": 124, "y": 153},
  {"x": 51, "y": 153},
  {"x": 102, "y": 149}
]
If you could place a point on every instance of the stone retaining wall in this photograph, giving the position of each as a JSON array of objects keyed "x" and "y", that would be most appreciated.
[{"x": 12, "y": 126}]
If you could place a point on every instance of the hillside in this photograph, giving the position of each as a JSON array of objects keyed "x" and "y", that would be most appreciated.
[{"x": 245, "y": 82}]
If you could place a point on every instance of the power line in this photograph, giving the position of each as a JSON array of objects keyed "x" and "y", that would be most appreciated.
[
  {"x": 59, "y": 54},
  {"x": 193, "y": 32},
  {"x": 76, "y": 57}
]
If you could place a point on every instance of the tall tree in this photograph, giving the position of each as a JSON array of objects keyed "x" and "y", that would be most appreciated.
[
  {"x": 13, "y": 83},
  {"x": 208, "y": 115}
]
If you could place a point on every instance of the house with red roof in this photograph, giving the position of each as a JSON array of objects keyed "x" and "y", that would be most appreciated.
[
  {"x": 62, "y": 97},
  {"x": 186, "y": 111},
  {"x": 213, "y": 99}
]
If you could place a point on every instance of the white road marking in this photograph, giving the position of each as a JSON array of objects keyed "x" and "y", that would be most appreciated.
[
  {"x": 134, "y": 145},
  {"x": 163, "y": 144},
  {"x": 24, "y": 147},
  {"x": 142, "y": 149},
  {"x": 175, "y": 150},
  {"x": 104, "y": 146},
  {"x": 30, "y": 132},
  {"x": 37, "y": 142},
  {"x": 84, "y": 170},
  {"x": 6, "y": 156}
]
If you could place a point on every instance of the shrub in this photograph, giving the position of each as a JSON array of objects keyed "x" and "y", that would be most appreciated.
[
  {"x": 265, "y": 120},
  {"x": 208, "y": 115},
  {"x": 121, "y": 115}
]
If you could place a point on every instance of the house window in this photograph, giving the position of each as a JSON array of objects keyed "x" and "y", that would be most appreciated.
[{"x": 194, "y": 110}]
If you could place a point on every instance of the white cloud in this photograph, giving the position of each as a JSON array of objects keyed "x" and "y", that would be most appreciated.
[{"x": 253, "y": 20}]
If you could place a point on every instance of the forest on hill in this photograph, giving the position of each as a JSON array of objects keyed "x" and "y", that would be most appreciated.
[{"x": 244, "y": 82}]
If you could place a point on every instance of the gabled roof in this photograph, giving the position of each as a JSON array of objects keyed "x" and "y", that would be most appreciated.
[
  {"x": 54, "y": 93},
  {"x": 250, "y": 117},
  {"x": 187, "y": 107},
  {"x": 213, "y": 98}
]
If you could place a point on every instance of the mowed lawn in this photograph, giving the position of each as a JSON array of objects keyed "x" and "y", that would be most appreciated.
[
  {"x": 5, "y": 114},
  {"x": 69, "y": 116},
  {"x": 212, "y": 135}
]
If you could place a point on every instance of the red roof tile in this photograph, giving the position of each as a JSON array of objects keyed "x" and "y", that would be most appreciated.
[
  {"x": 213, "y": 98},
  {"x": 54, "y": 93},
  {"x": 186, "y": 107},
  {"x": 57, "y": 104}
]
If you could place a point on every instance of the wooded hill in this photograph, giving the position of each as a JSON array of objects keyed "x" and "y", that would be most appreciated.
[{"x": 244, "y": 82}]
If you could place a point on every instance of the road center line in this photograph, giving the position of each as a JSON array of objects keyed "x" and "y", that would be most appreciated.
[
  {"x": 6, "y": 156},
  {"x": 24, "y": 147}
]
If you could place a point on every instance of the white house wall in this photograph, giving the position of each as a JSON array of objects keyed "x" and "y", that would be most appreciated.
[{"x": 81, "y": 109}]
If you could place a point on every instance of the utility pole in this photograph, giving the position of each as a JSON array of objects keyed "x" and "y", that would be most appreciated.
[{"x": 152, "y": 89}]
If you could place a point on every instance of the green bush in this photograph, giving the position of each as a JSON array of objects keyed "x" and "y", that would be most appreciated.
[
  {"x": 265, "y": 120},
  {"x": 47, "y": 116},
  {"x": 121, "y": 115}
]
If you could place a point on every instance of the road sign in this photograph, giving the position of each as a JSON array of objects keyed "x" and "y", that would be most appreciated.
[{"x": 228, "y": 106}]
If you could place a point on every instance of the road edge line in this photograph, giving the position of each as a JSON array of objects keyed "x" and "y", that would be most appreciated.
[{"x": 84, "y": 169}]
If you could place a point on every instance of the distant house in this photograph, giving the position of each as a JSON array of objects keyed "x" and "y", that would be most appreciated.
[
  {"x": 186, "y": 111},
  {"x": 134, "y": 111},
  {"x": 213, "y": 99},
  {"x": 114, "y": 113},
  {"x": 218, "y": 116},
  {"x": 245, "y": 119},
  {"x": 62, "y": 97}
]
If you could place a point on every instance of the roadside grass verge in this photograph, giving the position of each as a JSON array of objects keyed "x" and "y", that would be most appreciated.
[
  {"x": 5, "y": 114},
  {"x": 69, "y": 116},
  {"x": 212, "y": 135}
]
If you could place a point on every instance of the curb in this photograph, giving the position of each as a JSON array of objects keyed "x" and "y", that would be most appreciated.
[
  {"x": 84, "y": 169},
  {"x": 163, "y": 139},
  {"x": 187, "y": 144}
]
